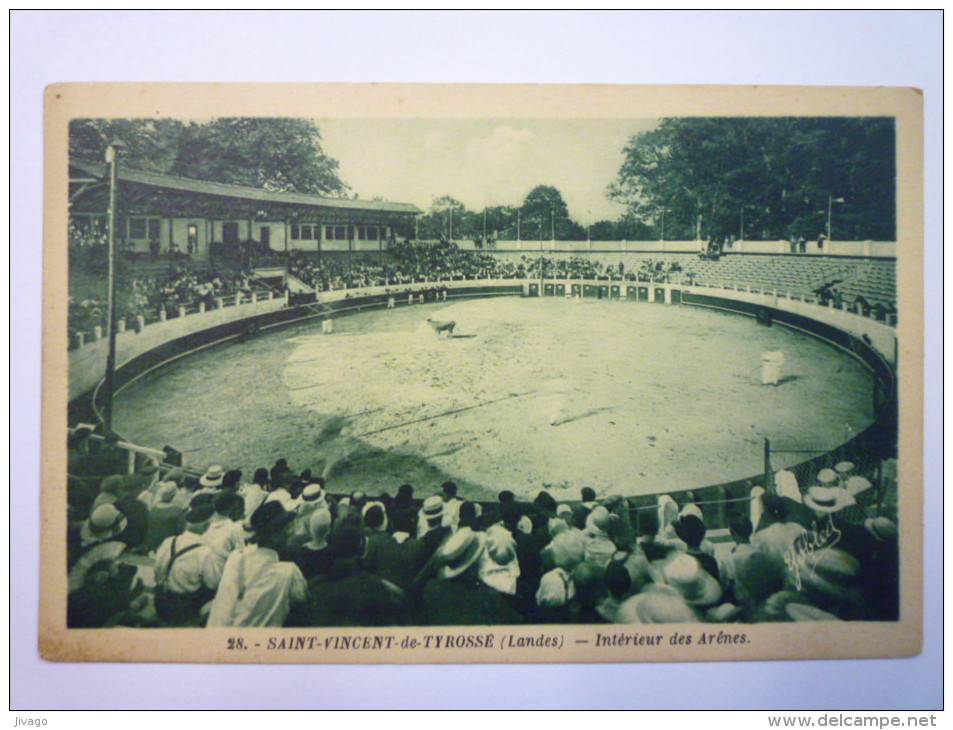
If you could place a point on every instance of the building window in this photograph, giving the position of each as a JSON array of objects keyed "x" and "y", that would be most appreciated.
[
  {"x": 137, "y": 228},
  {"x": 141, "y": 228},
  {"x": 230, "y": 232},
  {"x": 370, "y": 233},
  {"x": 305, "y": 232},
  {"x": 340, "y": 233}
]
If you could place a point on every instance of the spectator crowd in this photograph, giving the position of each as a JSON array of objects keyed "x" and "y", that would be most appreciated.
[
  {"x": 169, "y": 548},
  {"x": 148, "y": 296}
]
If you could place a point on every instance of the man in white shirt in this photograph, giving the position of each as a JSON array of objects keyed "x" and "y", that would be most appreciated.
[
  {"x": 187, "y": 571},
  {"x": 258, "y": 589},
  {"x": 225, "y": 530},
  {"x": 451, "y": 505},
  {"x": 254, "y": 493}
]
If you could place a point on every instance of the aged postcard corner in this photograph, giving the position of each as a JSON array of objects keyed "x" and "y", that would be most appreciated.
[{"x": 407, "y": 374}]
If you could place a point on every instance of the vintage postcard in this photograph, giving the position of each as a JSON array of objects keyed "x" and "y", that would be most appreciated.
[{"x": 425, "y": 374}]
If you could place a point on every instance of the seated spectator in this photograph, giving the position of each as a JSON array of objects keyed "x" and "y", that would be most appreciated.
[
  {"x": 451, "y": 505},
  {"x": 165, "y": 518},
  {"x": 556, "y": 588},
  {"x": 254, "y": 493},
  {"x": 403, "y": 504},
  {"x": 348, "y": 595},
  {"x": 103, "y": 592},
  {"x": 104, "y": 524},
  {"x": 225, "y": 532},
  {"x": 258, "y": 589},
  {"x": 456, "y": 596},
  {"x": 469, "y": 516},
  {"x": 313, "y": 498},
  {"x": 880, "y": 575},
  {"x": 314, "y": 557},
  {"x": 499, "y": 567},
  {"x": 739, "y": 527},
  {"x": 829, "y": 580},
  {"x": 618, "y": 584},
  {"x": 756, "y": 578},
  {"x": 211, "y": 480},
  {"x": 598, "y": 547},
  {"x": 590, "y": 588},
  {"x": 380, "y": 548},
  {"x": 697, "y": 586},
  {"x": 778, "y": 538},
  {"x": 691, "y": 530},
  {"x": 656, "y": 604},
  {"x": 649, "y": 530},
  {"x": 187, "y": 572},
  {"x": 108, "y": 491}
]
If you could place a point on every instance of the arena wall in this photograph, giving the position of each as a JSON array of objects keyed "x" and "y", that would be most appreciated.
[
  {"x": 871, "y": 342},
  {"x": 865, "y": 249},
  {"x": 87, "y": 364}
]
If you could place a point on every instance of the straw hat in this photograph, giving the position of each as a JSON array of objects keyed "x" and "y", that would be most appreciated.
[
  {"x": 103, "y": 551},
  {"x": 212, "y": 477},
  {"x": 105, "y": 523},
  {"x": 828, "y": 499},
  {"x": 857, "y": 484},
  {"x": 827, "y": 476},
  {"x": 459, "y": 552},
  {"x": 881, "y": 528}
]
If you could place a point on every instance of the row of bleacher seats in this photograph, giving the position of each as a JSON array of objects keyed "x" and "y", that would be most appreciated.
[{"x": 872, "y": 279}]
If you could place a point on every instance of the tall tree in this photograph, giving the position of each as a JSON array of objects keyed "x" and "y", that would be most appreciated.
[
  {"x": 703, "y": 174},
  {"x": 544, "y": 214},
  {"x": 149, "y": 144},
  {"x": 275, "y": 154}
]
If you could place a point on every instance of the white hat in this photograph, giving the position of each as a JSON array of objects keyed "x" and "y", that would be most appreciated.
[
  {"x": 686, "y": 575},
  {"x": 828, "y": 499},
  {"x": 857, "y": 484},
  {"x": 213, "y": 476},
  {"x": 105, "y": 523},
  {"x": 827, "y": 476},
  {"x": 459, "y": 552}
]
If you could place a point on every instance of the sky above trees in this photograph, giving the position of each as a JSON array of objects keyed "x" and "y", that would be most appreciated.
[{"x": 484, "y": 162}]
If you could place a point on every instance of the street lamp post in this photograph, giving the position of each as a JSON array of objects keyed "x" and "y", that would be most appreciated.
[
  {"x": 113, "y": 149},
  {"x": 831, "y": 199},
  {"x": 518, "y": 226}
]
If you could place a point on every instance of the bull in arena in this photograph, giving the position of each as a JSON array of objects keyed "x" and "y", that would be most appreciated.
[{"x": 440, "y": 327}]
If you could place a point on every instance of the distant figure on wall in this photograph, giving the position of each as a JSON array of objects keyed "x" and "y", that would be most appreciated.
[{"x": 771, "y": 363}]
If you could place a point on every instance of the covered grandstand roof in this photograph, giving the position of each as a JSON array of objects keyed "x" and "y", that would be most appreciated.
[{"x": 203, "y": 187}]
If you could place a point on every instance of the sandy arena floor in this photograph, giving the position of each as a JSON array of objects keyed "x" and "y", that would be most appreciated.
[{"x": 627, "y": 398}]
